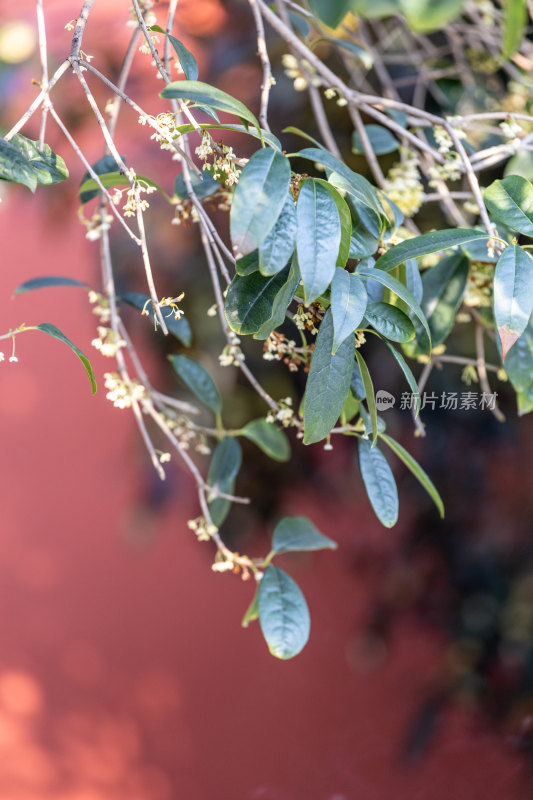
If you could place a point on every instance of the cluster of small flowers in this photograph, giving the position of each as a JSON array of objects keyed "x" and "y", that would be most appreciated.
[
  {"x": 232, "y": 353},
  {"x": 96, "y": 225},
  {"x": 308, "y": 319},
  {"x": 203, "y": 530},
  {"x": 186, "y": 435},
  {"x": 293, "y": 70},
  {"x": 360, "y": 339},
  {"x": 164, "y": 458},
  {"x": 511, "y": 131},
  {"x": 449, "y": 171},
  {"x": 108, "y": 342},
  {"x": 165, "y": 129},
  {"x": 101, "y": 306},
  {"x": 330, "y": 93},
  {"x": 224, "y": 166},
  {"x": 133, "y": 201},
  {"x": 149, "y": 18},
  {"x": 277, "y": 347},
  {"x": 478, "y": 292},
  {"x": 403, "y": 184},
  {"x": 296, "y": 183},
  {"x": 120, "y": 393},
  {"x": 443, "y": 139},
  {"x": 145, "y": 47},
  {"x": 185, "y": 212},
  {"x": 285, "y": 414},
  {"x": 222, "y": 564},
  {"x": 172, "y": 303},
  {"x": 206, "y": 146}
]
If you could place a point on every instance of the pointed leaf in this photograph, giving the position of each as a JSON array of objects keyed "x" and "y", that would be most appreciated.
[
  {"x": 51, "y": 330},
  {"x": 417, "y": 471},
  {"x": 379, "y": 483},
  {"x": 250, "y": 300},
  {"x": 268, "y": 438},
  {"x": 428, "y": 243},
  {"x": 204, "y": 94},
  {"x": 390, "y": 321},
  {"x": 345, "y": 220},
  {"x": 381, "y": 140},
  {"x": 513, "y": 295},
  {"x": 283, "y": 613},
  {"x": 348, "y": 304},
  {"x": 21, "y": 161},
  {"x": 410, "y": 378},
  {"x": 203, "y": 185},
  {"x": 278, "y": 246},
  {"x": 369, "y": 395},
  {"x": 101, "y": 167},
  {"x": 198, "y": 380},
  {"x": 330, "y": 11},
  {"x": 511, "y": 201},
  {"x": 514, "y": 25},
  {"x": 299, "y": 533},
  {"x": 251, "y": 613},
  {"x": 223, "y": 470},
  {"x": 281, "y": 301},
  {"x": 47, "y": 282},
  {"x": 318, "y": 237},
  {"x": 327, "y": 384},
  {"x": 187, "y": 61},
  {"x": 258, "y": 200}
]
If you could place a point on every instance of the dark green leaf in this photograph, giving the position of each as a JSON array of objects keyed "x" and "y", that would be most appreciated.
[
  {"x": 299, "y": 533},
  {"x": 283, "y": 613},
  {"x": 361, "y": 53},
  {"x": 519, "y": 361},
  {"x": 279, "y": 245},
  {"x": 207, "y": 95},
  {"x": 345, "y": 220},
  {"x": 258, "y": 199},
  {"x": 417, "y": 471},
  {"x": 90, "y": 188},
  {"x": 327, "y": 384},
  {"x": 21, "y": 161},
  {"x": 513, "y": 295},
  {"x": 511, "y": 201},
  {"x": 198, "y": 380},
  {"x": 369, "y": 395},
  {"x": 179, "y": 328},
  {"x": 101, "y": 167},
  {"x": 330, "y": 11},
  {"x": 432, "y": 242},
  {"x": 318, "y": 237},
  {"x": 390, "y": 321},
  {"x": 247, "y": 264},
  {"x": 443, "y": 289},
  {"x": 268, "y": 438},
  {"x": 203, "y": 185},
  {"x": 250, "y": 300},
  {"x": 348, "y": 304},
  {"x": 46, "y": 282},
  {"x": 187, "y": 60},
  {"x": 379, "y": 483},
  {"x": 381, "y": 140},
  {"x": 51, "y": 330},
  {"x": 223, "y": 470},
  {"x": 264, "y": 136},
  {"x": 281, "y": 302},
  {"x": 362, "y": 243},
  {"x": 410, "y": 378}
]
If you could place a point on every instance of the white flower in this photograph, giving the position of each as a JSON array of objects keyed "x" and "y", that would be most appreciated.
[{"x": 13, "y": 359}]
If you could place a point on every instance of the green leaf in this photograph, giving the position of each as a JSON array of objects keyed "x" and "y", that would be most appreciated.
[
  {"x": 251, "y": 613},
  {"x": 511, "y": 201},
  {"x": 304, "y": 135},
  {"x": 410, "y": 378},
  {"x": 318, "y": 237},
  {"x": 223, "y": 470},
  {"x": 345, "y": 220},
  {"x": 361, "y": 53},
  {"x": 21, "y": 161},
  {"x": 179, "y": 328},
  {"x": 443, "y": 288},
  {"x": 390, "y": 321},
  {"x": 250, "y": 300},
  {"x": 348, "y": 304},
  {"x": 369, "y": 395},
  {"x": 327, "y": 384},
  {"x": 299, "y": 533},
  {"x": 362, "y": 243},
  {"x": 268, "y": 438},
  {"x": 51, "y": 330},
  {"x": 375, "y": 9},
  {"x": 247, "y": 264},
  {"x": 203, "y": 185},
  {"x": 514, "y": 25},
  {"x": 363, "y": 194},
  {"x": 258, "y": 200},
  {"x": 519, "y": 361},
  {"x": 262, "y": 135},
  {"x": 381, "y": 140},
  {"x": 417, "y": 471},
  {"x": 426, "y": 16},
  {"x": 198, "y": 380},
  {"x": 281, "y": 302},
  {"x": 207, "y": 95},
  {"x": 379, "y": 483},
  {"x": 47, "y": 282},
  {"x": 283, "y": 613},
  {"x": 513, "y": 295},
  {"x": 330, "y": 11},
  {"x": 399, "y": 289},
  {"x": 104, "y": 165},
  {"x": 279, "y": 244},
  {"x": 428, "y": 243},
  {"x": 187, "y": 61}
]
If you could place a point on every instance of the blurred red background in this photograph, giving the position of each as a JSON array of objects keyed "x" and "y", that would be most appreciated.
[{"x": 124, "y": 671}]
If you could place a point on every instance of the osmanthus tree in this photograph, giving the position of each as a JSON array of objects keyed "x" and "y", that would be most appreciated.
[{"x": 316, "y": 258}]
